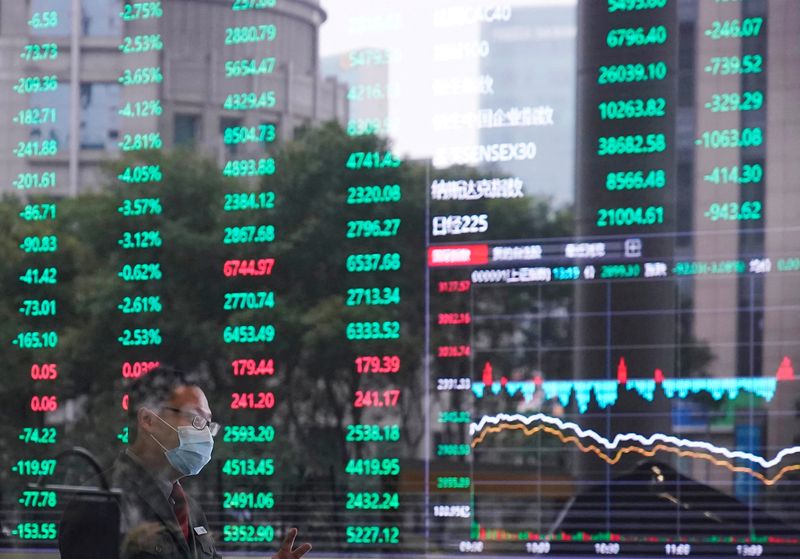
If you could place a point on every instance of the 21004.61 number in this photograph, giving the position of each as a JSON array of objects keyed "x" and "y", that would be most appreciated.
[{"x": 623, "y": 217}]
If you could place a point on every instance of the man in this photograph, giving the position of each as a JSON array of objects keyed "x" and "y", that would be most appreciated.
[{"x": 172, "y": 434}]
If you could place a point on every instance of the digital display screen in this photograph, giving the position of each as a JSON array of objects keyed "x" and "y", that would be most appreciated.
[{"x": 457, "y": 277}]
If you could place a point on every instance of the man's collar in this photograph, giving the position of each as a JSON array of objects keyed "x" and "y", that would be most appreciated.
[{"x": 164, "y": 485}]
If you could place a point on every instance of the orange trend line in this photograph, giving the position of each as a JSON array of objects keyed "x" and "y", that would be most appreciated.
[{"x": 625, "y": 450}]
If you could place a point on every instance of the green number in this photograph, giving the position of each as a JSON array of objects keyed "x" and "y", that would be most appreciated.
[
  {"x": 141, "y": 174},
  {"x": 631, "y": 145},
  {"x": 244, "y": 5},
  {"x": 38, "y": 212},
  {"x": 636, "y": 36},
  {"x": 250, "y": 34},
  {"x": 745, "y": 174},
  {"x": 141, "y": 10},
  {"x": 370, "y": 535},
  {"x": 623, "y": 217},
  {"x": 731, "y": 138},
  {"x": 635, "y": 180},
  {"x": 249, "y": 434},
  {"x": 373, "y": 467},
  {"x": 249, "y": 168},
  {"x": 43, "y": 20},
  {"x": 374, "y": 194},
  {"x": 248, "y": 467},
  {"x": 633, "y": 108},
  {"x": 734, "y": 211},
  {"x": 248, "y": 533},
  {"x": 635, "y": 5},
  {"x": 247, "y": 500},
  {"x": 735, "y": 28},
  {"x": 453, "y": 482},
  {"x": 248, "y": 334},
  {"x": 35, "y": 531},
  {"x": 453, "y": 450},
  {"x": 372, "y": 160}
]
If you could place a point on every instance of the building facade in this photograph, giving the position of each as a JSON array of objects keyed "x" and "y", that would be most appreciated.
[{"x": 193, "y": 45}]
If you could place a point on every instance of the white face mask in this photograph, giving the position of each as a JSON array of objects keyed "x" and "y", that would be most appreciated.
[{"x": 193, "y": 451}]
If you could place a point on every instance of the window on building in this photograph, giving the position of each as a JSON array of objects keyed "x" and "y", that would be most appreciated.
[
  {"x": 187, "y": 129},
  {"x": 100, "y": 18},
  {"x": 99, "y": 115}
]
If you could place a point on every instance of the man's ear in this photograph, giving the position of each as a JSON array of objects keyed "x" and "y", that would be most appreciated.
[{"x": 145, "y": 420}]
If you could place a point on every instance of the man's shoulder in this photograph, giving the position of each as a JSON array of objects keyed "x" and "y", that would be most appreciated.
[
  {"x": 124, "y": 480},
  {"x": 126, "y": 472}
]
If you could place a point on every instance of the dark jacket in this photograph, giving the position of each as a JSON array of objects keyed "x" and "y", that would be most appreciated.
[{"x": 148, "y": 528}]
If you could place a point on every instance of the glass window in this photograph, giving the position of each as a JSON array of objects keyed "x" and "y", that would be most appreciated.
[
  {"x": 99, "y": 115},
  {"x": 186, "y": 129},
  {"x": 100, "y": 18},
  {"x": 99, "y": 118}
]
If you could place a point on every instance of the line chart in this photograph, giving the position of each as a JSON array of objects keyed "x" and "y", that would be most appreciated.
[{"x": 659, "y": 442}]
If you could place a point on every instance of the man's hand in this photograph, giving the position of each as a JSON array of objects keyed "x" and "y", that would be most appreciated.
[{"x": 286, "y": 551}]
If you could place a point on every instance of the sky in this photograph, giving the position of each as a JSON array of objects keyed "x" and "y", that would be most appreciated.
[
  {"x": 411, "y": 28},
  {"x": 408, "y": 26}
]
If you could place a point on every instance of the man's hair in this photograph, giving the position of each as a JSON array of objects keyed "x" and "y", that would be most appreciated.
[{"x": 152, "y": 390}]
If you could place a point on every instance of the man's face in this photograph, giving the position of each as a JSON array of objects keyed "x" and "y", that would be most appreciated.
[
  {"x": 185, "y": 402},
  {"x": 189, "y": 401}
]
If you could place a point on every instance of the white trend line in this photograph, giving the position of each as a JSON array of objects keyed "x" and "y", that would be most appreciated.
[{"x": 644, "y": 441}]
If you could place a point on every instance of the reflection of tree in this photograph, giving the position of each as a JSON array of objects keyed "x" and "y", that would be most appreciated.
[
  {"x": 315, "y": 378},
  {"x": 317, "y": 361}
]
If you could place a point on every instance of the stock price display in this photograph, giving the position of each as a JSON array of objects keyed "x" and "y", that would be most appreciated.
[{"x": 524, "y": 285}]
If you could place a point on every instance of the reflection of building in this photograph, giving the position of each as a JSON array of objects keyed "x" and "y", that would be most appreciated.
[
  {"x": 192, "y": 92},
  {"x": 730, "y": 310},
  {"x": 781, "y": 330},
  {"x": 368, "y": 89},
  {"x": 544, "y": 83}
]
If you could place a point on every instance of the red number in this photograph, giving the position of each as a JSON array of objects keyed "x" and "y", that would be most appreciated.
[
  {"x": 252, "y": 400},
  {"x": 138, "y": 368},
  {"x": 251, "y": 367},
  {"x": 45, "y": 371},
  {"x": 454, "y": 351},
  {"x": 125, "y": 402},
  {"x": 450, "y": 318},
  {"x": 260, "y": 267},
  {"x": 377, "y": 364},
  {"x": 454, "y": 286},
  {"x": 376, "y": 398},
  {"x": 44, "y": 403}
]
